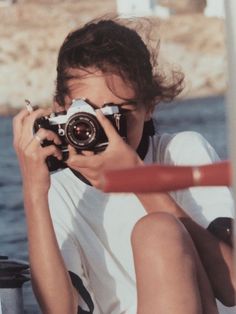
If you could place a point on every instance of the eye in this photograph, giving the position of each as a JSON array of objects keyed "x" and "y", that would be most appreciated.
[{"x": 128, "y": 109}]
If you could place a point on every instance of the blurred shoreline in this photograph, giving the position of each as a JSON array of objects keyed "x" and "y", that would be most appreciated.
[{"x": 32, "y": 32}]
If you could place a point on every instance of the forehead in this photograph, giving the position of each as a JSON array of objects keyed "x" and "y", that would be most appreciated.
[{"x": 94, "y": 83}]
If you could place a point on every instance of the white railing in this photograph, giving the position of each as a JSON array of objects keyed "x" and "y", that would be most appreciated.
[{"x": 230, "y": 9}]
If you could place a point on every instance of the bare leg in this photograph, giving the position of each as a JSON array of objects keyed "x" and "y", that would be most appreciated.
[{"x": 170, "y": 277}]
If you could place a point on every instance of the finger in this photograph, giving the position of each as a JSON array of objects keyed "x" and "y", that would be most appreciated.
[
  {"x": 27, "y": 126},
  {"x": 87, "y": 153},
  {"x": 72, "y": 151},
  {"x": 49, "y": 135},
  {"x": 108, "y": 128},
  {"x": 37, "y": 114},
  {"x": 24, "y": 117},
  {"x": 40, "y": 112},
  {"x": 42, "y": 135},
  {"x": 81, "y": 161},
  {"x": 76, "y": 160},
  {"x": 52, "y": 150},
  {"x": 17, "y": 124}
]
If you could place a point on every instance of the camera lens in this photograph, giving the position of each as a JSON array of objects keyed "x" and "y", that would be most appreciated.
[{"x": 82, "y": 130}]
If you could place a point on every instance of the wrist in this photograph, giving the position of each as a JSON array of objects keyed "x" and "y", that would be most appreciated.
[{"x": 34, "y": 196}]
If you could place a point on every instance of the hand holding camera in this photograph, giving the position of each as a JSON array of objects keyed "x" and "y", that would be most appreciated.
[{"x": 80, "y": 128}]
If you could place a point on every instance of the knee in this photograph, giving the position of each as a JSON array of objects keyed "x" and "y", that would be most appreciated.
[{"x": 158, "y": 230}]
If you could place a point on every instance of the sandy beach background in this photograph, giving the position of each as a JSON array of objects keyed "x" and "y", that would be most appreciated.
[{"x": 32, "y": 32}]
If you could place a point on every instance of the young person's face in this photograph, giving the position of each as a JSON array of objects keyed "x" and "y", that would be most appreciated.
[{"x": 93, "y": 86}]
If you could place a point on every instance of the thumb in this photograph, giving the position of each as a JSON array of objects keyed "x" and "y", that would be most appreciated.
[{"x": 107, "y": 126}]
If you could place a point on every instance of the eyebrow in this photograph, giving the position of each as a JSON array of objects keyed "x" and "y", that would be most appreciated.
[{"x": 127, "y": 102}]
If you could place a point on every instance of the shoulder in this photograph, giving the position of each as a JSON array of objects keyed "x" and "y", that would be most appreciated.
[
  {"x": 188, "y": 141},
  {"x": 188, "y": 147}
]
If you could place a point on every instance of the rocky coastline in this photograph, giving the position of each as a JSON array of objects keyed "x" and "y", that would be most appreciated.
[{"x": 32, "y": 32}]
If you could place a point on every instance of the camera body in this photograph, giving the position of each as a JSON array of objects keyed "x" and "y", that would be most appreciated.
[{"x": 80, "y": 128}]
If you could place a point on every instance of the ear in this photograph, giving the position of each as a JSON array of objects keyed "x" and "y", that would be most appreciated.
[{"x": 149, "y": 112}]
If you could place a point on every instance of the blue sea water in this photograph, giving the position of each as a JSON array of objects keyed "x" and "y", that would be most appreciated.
[{"x": 206, "y": 116}]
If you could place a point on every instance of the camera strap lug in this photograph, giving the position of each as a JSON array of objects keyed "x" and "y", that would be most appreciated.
[
  {"x": 61, "y": 131},
  {"x": 117, "y": 120}
]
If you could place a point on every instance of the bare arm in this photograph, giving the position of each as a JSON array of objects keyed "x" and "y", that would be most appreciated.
[
  {"x": 50, "y": 279},
  {"x": 216, "y": 255}
]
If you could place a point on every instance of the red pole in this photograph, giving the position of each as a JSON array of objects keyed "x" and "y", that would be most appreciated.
[{"x": 162, "y": 178}]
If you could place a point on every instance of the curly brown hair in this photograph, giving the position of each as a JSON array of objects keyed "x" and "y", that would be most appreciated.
[{"x": 112, "y": 47}]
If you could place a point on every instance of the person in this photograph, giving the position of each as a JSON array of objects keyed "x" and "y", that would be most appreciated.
[{"x": 96, "y": 252}]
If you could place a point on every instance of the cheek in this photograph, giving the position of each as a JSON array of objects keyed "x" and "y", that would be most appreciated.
[
  {"x": 134, "y": 131},
  {"x": 134, "y": 139}
]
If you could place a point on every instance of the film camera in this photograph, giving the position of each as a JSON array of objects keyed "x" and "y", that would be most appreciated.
[{"x": 80, "y": 128}]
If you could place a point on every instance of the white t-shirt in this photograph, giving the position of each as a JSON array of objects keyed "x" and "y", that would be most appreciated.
[{"x": 93, "y": 228}]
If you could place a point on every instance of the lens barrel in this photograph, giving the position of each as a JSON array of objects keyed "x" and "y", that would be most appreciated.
[{"x": 82, "y": 130}]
